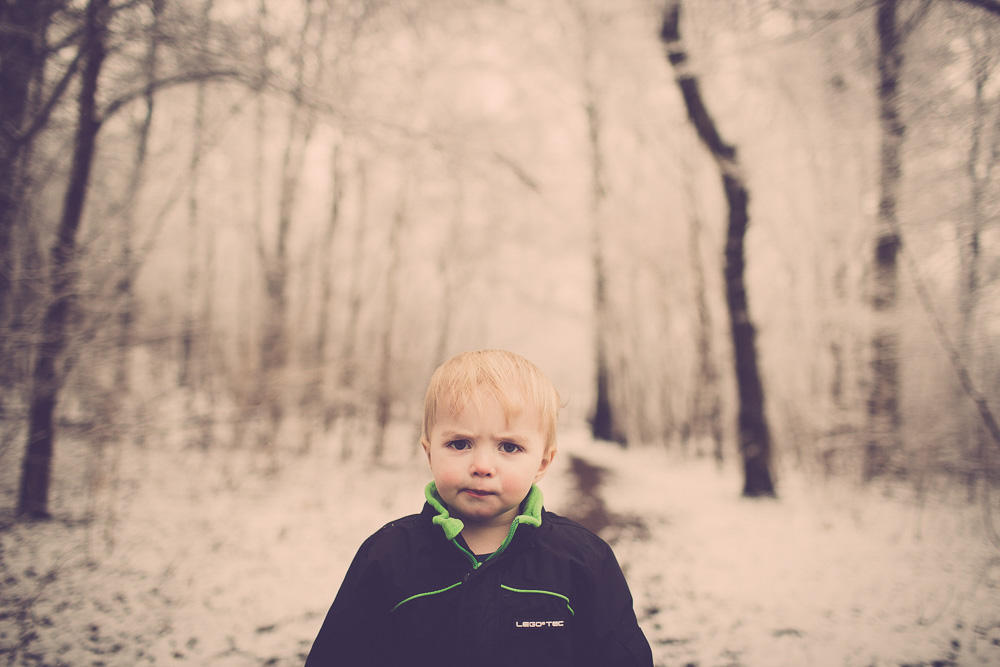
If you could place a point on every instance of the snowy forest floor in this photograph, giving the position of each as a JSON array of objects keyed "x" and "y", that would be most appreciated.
[{"x": 219, "y": 558}]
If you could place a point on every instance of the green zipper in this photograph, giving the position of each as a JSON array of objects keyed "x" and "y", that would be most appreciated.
[
  {"x": 468, "y": 554},
  {"x": 452, "y": 527}
]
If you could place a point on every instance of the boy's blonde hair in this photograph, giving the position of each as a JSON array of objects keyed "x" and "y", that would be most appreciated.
[{"x": 515, "y": 383}]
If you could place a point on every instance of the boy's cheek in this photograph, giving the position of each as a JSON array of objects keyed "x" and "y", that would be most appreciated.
[{"x": 447, "y": 482}]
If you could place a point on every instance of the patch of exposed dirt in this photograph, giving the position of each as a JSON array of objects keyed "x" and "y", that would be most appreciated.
[{"x": 589, "y": 509}]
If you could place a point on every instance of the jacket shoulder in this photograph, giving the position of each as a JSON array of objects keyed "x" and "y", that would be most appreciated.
[
  {"x": 401, "y": 528},
  {"x": 403, "y": 523},
  {"x": 569, "y": 527},
  {"x": 567, "y": 532}
]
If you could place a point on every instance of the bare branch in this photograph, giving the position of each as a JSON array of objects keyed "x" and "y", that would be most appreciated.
[
  {"x": 915, "y": 19},
  {"x": 42, "y": 118},
  {"x": 961, "y": 369},
  {"x": 992, "y": 6},
  {"x": 518, "y": 170},
  {"x": 169, "y": 82}
]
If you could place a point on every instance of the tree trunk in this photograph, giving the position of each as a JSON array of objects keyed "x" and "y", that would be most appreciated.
[
  {"x": 754, "y": 435},
  {"x": 980, "y": 166},
  {"x": 447, "y": 269},
  {"x": 706, "y": 408},
  {"x": 346, "y": 405},
  {"x": 603, "y": 421},
  {"x": 22, "y": 56},
  {"x": 318, "y": 396},
  {"x": 384, "y": 396},
  {"x": 276, "y": 343},
  {"x": 121, "y": 411},
  {"x": 190, "y": 329},
  {"x": 47, "y": 376},
  {"x": 883, "y": 401},
  {"x": 251, "y": 397}
]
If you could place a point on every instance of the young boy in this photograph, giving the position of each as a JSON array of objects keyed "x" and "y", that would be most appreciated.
[{"x": 484, "y": 575}]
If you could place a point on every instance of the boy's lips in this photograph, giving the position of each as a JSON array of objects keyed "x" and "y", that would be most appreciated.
[{"x": 477, "y": 493}]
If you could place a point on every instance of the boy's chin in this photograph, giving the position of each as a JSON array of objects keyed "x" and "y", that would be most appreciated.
[
  {"x": 473, "y": 512},
  {"x": 481, "y": 515},
  {"x": 468, "y": 509}
]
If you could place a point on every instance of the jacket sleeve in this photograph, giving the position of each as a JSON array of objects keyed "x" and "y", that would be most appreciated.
[
  {"x": 614, "y": 631},
  {"x": 353, "y": 632}
]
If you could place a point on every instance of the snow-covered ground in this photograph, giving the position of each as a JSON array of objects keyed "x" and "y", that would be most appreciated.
[
  {"x": 215, "y": 559},
  {"x": 827, "y": 575}
]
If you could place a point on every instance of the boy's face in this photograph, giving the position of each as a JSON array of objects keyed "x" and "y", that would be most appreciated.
[{"x": 483, "y": 465}]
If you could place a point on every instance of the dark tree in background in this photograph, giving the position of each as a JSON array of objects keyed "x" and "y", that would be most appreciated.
[
  {"x": 59, "y": 324},
  {"x": 23, "y": 52},
  {"x": 706, "y": 405},
  {"x": 47, "y": 376},
  {"x": 753, "y": 436},
  {"x": 883, "y": 403},
  {"x": 884, "y": 443},
  {"x": 604, "y": 420}
]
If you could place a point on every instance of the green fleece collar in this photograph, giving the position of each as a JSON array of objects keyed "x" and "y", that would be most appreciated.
[{"x": 531, "y": 513}]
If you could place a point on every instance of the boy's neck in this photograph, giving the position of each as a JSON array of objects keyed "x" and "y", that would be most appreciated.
[{"x": 484, "y": 539}]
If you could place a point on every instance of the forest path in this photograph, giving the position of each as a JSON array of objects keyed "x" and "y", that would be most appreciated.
[
  {"x": 588, "y": 507},
  {"x": 827, "y": 575}
]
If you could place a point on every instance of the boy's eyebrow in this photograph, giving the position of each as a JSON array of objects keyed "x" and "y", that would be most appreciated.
[
  {"x": 451, "y": 435},
  {"x": 512, "y": 437},
  {"x": 508, "y": 436}
]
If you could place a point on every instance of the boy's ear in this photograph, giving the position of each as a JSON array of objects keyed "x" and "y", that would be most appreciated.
[
  {"x": 547, "y": 459},
  {"x": 427, "y": 448}
]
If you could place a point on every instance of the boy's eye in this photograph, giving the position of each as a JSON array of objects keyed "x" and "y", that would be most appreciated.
[
  {"x": 510, "y": 447},
  {"x": 459, "y": 444}
]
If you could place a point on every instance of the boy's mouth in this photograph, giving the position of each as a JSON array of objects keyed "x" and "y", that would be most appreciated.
[{"x": 476, "y": 493}]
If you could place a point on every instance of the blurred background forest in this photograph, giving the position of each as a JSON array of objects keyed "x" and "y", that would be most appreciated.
[
  {"x": 250, "y": 224},
  {"x": 237, "y": 236}
]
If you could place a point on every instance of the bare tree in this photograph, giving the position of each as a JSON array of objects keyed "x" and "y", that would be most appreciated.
[
  {"x": 883, "y": 402},
  {"x": 124, "y": 292},
  {"x": 991, "y": 6},
  {"x": 753, "y": 432},
  {"x": 384, "y": 395},
  {"x": 196, "y": 287},
  {"x": 276, "y": 260},
  {"x": 348, "y": 377},
  {"x": 24, "y": 52},
  {"x": 603, "y": 421},
  {"x": 90, "y": 39},
  {"x": 884, "y": 415},
  {"x": 191, "y": 287},
  {"x": 981, "y": 168},
  {"x": 316, "y": 395},
  {"x": 706, "y": 404},
  {"x": 447, "y": 270},
  {"x": 47, "y": 376}
]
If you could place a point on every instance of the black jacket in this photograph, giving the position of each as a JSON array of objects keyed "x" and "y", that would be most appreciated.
[{"x": 553, "y": 595}]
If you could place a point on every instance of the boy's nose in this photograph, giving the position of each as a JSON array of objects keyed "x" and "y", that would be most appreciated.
[{"x": 482, "y": 464}]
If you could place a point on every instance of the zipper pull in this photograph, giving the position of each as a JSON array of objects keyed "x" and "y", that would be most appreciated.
[{"x": 469, "y": 573}]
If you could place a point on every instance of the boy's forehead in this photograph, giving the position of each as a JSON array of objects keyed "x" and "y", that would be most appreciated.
[
  {"x": 456, "y": 400},
  {"x": 479, "y": 400}
]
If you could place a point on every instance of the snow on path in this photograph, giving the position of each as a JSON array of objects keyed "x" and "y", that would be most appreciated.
[
  {"x": 827, "y": 575},
  {"x": 216, "y": 562}
]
